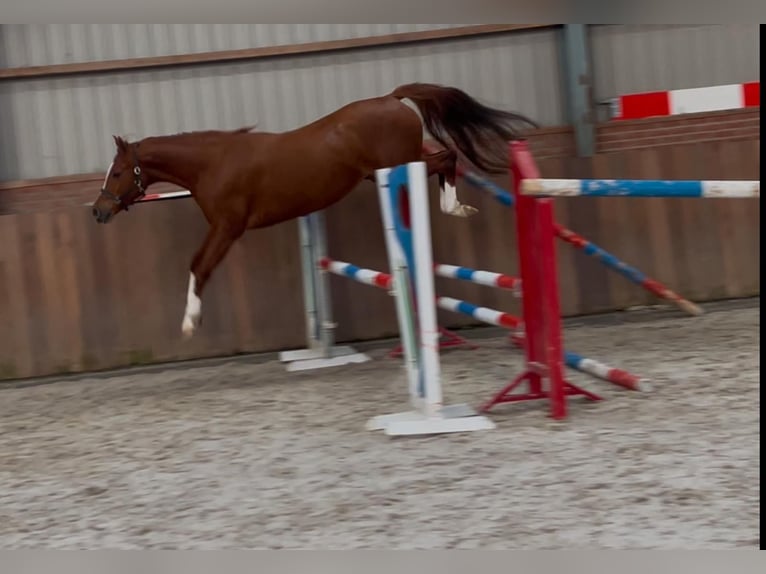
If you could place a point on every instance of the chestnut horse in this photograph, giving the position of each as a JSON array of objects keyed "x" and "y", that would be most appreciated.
[{"x": 246, "y": 180}]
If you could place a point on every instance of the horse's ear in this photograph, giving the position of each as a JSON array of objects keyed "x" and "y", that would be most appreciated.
[{"x": 121, "y": 144}]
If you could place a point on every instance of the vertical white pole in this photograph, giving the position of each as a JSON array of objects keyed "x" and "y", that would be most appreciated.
[
  {"x": 325, "y": 326},
  {"x": 424, "y": 278},
  {"x": 309, "y": 273},
  {"x": 397, "y": 263}
]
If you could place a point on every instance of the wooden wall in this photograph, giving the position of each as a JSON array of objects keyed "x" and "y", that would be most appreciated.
[{"x": 76, "y": 296}]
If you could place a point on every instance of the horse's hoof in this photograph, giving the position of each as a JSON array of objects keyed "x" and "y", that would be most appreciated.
[
  {"x": 464, "y": 211},
  {"x": 188, "y": 326}
]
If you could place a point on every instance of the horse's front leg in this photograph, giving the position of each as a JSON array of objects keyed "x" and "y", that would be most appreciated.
[{"x": 219, "y": 239}]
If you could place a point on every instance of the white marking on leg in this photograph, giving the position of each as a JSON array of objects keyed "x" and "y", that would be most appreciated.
[
  {"x": 451, "y": 205},
  {"x": 193, "y": 309},
  {"x": 448, "y": 198}
]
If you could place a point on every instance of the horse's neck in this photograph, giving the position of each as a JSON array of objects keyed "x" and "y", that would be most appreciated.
[{"x": 173, "y": 159}]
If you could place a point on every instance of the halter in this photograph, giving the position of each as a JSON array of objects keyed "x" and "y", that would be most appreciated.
[{"x": 139, "y": 185}]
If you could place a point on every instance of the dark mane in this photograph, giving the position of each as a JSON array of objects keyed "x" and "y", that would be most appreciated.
[
  {"x": 123, "y": 144},
  {"x": 214, "y": 133}
]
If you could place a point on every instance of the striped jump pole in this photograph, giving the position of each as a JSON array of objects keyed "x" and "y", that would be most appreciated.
[
  {"x": 483, "y": 314},
  {"x": 732, "y": 189},
  {"x": 491, "y": 317},
  {"x": 617, "y": 377},
  {"x": 360, "y": 274},
  {"x": 597, "y": 369},
  {"x": 589, "y": 248},
  {"x": 384, "y": 281},
  {"x": 571, "y": 360},
  {"x": 373, "y": 278},
  {"x": 487, "y": 278}
]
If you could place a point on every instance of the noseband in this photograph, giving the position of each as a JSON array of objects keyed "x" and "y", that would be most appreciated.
[{"x": 139, "y": 185}]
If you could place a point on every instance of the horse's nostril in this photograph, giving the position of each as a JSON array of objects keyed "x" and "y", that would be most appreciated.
[{"x": 95, "y": 213}]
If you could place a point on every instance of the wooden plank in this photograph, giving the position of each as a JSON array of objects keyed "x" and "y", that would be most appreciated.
[
  {"x": 275, "y": 288},
  {"x": 355, "y": 234},
  {"x": 725, "y": 230},
  {"x": 614, "y": 216},
  {"x": 225, "y": 56},
  {"x": 37, "y": 313},
  {"x": 636, "y": 249},
  {"x": 50, "y": 304},
  {"x": 113, "y": 320},
  {"x": 740, "y": 161},
  {"x": 707, "y": 256},
  {"x": 669, "y": 162},
  {"x": 168, "y": 222},
  {"x": 16, "y": 350},
  {"x": 240, "y": 294},
  {"x": 690, "y": 220},
  {"x": 567, "y": 259},
  {"x": 68, "y": 288},
  {"x": 88, "y": 294},
  {"x": 217, "y": 312},
  {"x": 586, "y": 218},
  {"x": 658, "y": 236},
  {"x": 749, "y": 153},
  {"x": 144, "y": 236}
]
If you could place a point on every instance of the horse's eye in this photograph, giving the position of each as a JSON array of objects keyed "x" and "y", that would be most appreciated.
[{"x": 115, "y": 175}]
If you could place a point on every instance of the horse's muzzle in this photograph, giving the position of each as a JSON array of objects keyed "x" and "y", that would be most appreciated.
[{"x": 101, "y": 215}]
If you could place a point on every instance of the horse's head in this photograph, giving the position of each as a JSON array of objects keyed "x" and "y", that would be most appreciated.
[{"x": 123, "y": 185}]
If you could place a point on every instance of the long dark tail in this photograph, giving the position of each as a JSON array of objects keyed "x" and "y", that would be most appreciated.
[{"x": 480, "y": 133}]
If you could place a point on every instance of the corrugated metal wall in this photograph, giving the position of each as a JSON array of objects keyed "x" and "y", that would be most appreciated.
[
  {"x": 640, "y": 58},
  {"x": 61, "y": 126},
  {"x": 48, "y": 44}
]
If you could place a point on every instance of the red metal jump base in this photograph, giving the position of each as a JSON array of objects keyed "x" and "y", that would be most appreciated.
[{"x": 504, "y": 396}]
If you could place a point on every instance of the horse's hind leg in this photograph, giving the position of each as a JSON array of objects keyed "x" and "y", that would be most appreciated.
[
  {"x": 444, "y": 163},
  {"x": 219, "y": 239}
]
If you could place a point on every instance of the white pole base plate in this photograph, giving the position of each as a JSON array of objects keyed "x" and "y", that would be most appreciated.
[
  {"x": 306, "y": 354},
  {"x": 310, "y": 359},
  {"x": 454, "y": 418}
]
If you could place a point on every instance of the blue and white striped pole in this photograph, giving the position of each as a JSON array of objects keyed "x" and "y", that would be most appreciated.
[{"x": 641, "y": 188}]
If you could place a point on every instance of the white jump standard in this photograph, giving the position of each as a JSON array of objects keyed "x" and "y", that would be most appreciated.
[
  {"x": 320, "y": 351},
  {"x": 411, "y": 264}
]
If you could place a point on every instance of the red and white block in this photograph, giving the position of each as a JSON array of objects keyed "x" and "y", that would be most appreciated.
[{"x": 686, "y": 101}]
